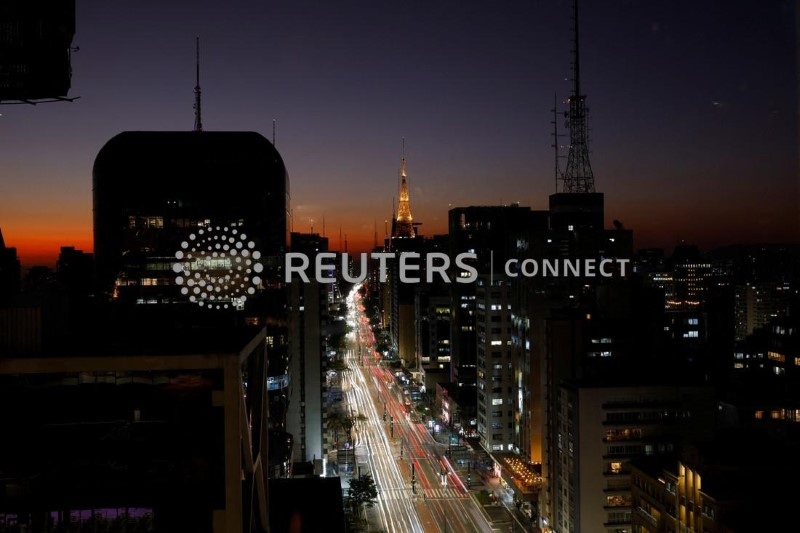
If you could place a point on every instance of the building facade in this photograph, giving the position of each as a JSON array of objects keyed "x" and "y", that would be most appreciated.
[
  {"x": 600, "y": 430},
  {"x": 308, "y": 316}
]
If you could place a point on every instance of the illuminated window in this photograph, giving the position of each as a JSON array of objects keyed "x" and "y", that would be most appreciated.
[
  {"x": 776, "y": 414},
  {"x": 616, "y": 467},
  {"x": 797, "y": 361},
  {"x": 497, "y": 401},
  {"x": 738, "y": 365},
  {"x": 617, "y": 501},
  {"x": 775, "y": 356}
]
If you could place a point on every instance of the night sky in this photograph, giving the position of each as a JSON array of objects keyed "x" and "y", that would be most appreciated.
[{"x": 693, "y": 110}]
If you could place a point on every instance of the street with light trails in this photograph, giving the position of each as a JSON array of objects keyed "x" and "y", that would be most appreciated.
[{"x": 418, "y": 489}]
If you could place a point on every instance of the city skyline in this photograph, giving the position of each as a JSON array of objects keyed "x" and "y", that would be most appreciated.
[{"x": 683, "y": 111}]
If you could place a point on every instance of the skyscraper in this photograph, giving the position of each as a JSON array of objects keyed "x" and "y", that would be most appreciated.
[
  {"x": 9, "y": 271},
  {"x": 308, "y": 312},
  {"x": 154, "y": 190}
]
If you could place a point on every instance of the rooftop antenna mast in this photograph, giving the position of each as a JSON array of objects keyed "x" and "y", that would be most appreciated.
[
  {"x": 578, "y": 176},
  {"x": 556, "y": 145},
  {"x": 198, "y": 123}
]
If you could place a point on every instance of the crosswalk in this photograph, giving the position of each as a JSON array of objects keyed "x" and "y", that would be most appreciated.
[
  {"x": 431, "y": 494},
  {"x": 441, "y": 494}
]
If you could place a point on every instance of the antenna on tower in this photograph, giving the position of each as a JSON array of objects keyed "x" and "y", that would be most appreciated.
[
  {"x": 556, "y": 146},
  {"x": 340, "y": 237},
  {"x": 375, "y": 233},
  {"x": 578, "y": 176},
  {"x": 576, "y": 56},
  {"x": 323, "y": 225},
  {"x": 198, "y": 123},
  {"x": 274, "y": 127}
]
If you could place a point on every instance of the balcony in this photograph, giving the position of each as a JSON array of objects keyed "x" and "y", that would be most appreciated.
[{"x": 645, "y": 514}]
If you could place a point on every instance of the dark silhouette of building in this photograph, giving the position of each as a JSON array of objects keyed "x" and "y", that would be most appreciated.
[
  {"x": 163, "y": 426},
  {"x": 35, "y": 47},
  {"x": 153, "y": 190},
  {"x": 214, "y": 204},
  {"x": 433, "y": 312},
  {"x": 487, "y": 231},
  {"x": 9, "y": 272},
  {"x": 75, "y": 271},
  {"x": 735, "y": 482},
  {"x": 308, "y": 317}
]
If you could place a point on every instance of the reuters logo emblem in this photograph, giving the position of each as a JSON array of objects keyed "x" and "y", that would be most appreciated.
[{"x": 218, "y": 268}]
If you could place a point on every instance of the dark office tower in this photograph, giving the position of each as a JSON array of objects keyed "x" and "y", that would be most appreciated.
[
  {"x": 495, "y": 370},
  {"x": 487, "y": 231},
  {"x": 308, "y": 314},
  {"x": 9, "y": 272},
  {"x": 74, "y": 271},
  {"x": 402, "y": 318},
  {"x": 433, "y": 311},
  {"x": 160, "y": 196},
  {"x": 35, "y": 40}
]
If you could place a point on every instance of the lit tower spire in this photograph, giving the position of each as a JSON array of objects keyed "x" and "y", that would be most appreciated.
[
  {"x": 404, "y": 226},
  {"x": 198, "y": 123},
  {"x": 578, "y": 176}
]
